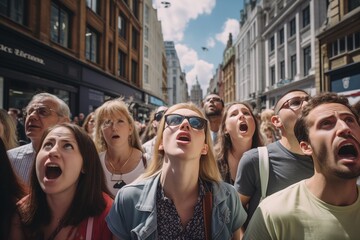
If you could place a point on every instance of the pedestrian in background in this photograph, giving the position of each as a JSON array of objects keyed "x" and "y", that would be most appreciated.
[
  {"x": 213, "y": 107},
  {"x": 43, "y": 111},
  {"x": 8, "y": 130},
  {"x": 238, "y": 133},
  {"x": 118, "y": 144},
  {"x": 89, "y": 124}
]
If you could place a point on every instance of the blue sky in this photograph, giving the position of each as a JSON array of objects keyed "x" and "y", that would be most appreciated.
[{"x": 193, "y": 24}]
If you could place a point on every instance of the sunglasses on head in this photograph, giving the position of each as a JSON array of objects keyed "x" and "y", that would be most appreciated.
[
  {"x": 159, "y": 115},
  {"x": 194, "y": 121}
]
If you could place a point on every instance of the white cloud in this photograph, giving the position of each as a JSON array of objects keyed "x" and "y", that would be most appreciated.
[
  {"x": 230, "y": 26},
  {"x": 210, "y": 42},
  {"x": 203, "y": 71},
  {"x": 175, "y": 18},
  {"x": 187, "y": 56}
]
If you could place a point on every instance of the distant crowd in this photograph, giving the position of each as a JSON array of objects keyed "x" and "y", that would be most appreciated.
[{"x": 219, "y": 171}]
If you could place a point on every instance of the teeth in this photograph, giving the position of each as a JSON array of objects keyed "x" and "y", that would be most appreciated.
[{"x": 52, "y": 165}]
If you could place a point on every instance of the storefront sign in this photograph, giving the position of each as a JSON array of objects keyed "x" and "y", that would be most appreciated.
[{"x": 21, "y": 53}]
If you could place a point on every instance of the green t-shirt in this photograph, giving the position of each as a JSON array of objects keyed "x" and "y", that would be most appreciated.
[{"x": 295, "y": 213}]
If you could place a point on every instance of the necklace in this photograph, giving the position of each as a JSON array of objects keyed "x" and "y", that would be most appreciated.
[{"x": 119, "y": 182}]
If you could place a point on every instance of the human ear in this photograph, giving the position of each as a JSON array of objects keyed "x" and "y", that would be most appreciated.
[
  {"x": 306, "y": 148},
  {"x": 161, "y": 147},
  {"x": 276, "y": 121},
  {"x": 205, "y": 149}
]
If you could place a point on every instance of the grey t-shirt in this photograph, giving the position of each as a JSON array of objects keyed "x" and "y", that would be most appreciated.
[{"x": 285, "y": 169}]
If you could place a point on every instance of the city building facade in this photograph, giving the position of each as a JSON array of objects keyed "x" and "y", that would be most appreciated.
[
  {"x": 196, "y": 93},
  {"x": 338, "y": 65},
  {"x": 229, "y": 71},
  {"x": 249, "y": 55},
  {"x": 84, "y": 51},
  {"x": 177, "y": 88},
  {"x": 153, "y": 51}
]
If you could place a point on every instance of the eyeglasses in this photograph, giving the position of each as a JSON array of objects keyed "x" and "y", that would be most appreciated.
[
  {"x": 109, "y": 123},
  {"x": 294, "y": 103},
  {"x": 42, "y": 111},
  {"x": 159, "y": 115},
  {"x": 214, "y": 99},
  {"x": 176, "y": 119}
]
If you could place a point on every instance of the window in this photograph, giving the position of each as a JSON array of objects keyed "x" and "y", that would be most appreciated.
[
  {"x": 91, "y": 45},
  {"x": 350, "y": 43},
  {"x": 93, "y": 5},
  {"x": 272, "y": 43},
  {"x": 135, "y": 8},
  {"x": 147, "y": 10},
  {"x": 146, "y": 33},
  {"x": 282, "y": 70},
  {"x": 59, "y": 25},
  {"x": 174, "y": 72},
  {"x": 281, "y": 36},
  {"x": 146, "y": 73},
  {"x": 352, "y": 4},
  {"x": 293, "y": 66},
  {"x": 292, "y": 27},
  {"x": 306, "y": 16},
  {"x": 146, "y": 52},
  {"x": 174, "y": 63},
  {"x": 134, "y": 42},
  {"x": 122, "y": 64},
  {"x": 14, "y": 9},
  {"x": 307, "y": 60},
  {"x": 122, "y": 26},
  {"x": 134, "y": 72},
  {"x": 342, "y": 46},
  {"x": 357, "y": 40},
  {"x": 272, "y": 75}
]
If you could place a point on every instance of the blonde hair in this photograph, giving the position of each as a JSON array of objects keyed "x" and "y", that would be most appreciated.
[
  {"x": 113, "y": 108},
  {"x": 208, "y": 166},
  {"x": 10, "y": 134}
]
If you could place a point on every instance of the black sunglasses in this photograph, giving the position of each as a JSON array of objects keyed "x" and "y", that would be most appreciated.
[
  {"x": 194, "y": 121},
  {"x": 159, "y": 115}
]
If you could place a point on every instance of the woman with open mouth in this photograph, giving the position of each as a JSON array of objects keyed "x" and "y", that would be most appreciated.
[
  {"x": 181, "y": 195},
  {"x": 239, "y": 132},
  {"x": 68, "y": 196}
]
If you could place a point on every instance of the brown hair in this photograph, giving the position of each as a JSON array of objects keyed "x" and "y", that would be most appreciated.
[
  {"x": 12, "y": 190},
  {"x": 88, "y": 200},
  {"x": 10, "y": 134}
]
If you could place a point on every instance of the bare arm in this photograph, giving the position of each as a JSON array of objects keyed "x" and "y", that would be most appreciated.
[{"x": 237, "y": 235}]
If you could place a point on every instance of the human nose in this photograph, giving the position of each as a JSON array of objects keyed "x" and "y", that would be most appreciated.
[
  {"x": 344, "y": 129},
  {"x": 185, "y": 124},
  {"x": 54, "y": 151}
]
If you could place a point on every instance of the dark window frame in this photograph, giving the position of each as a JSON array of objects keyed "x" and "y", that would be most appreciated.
[
  {"x": 57, "y": 38},
  {"x": 89, "y": 52}
]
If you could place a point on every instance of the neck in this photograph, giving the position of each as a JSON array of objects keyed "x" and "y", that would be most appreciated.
[
  {"x": 180, "y": 181},
  {"x": 291, "y": 144},
  {"x": 333, "y": 190},
  {"x": 59, "y": 204},
  {"x": 214, "y": 122},
  {"x": 119, "y": 155}
]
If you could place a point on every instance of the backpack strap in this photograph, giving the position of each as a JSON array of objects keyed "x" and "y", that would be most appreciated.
[
  {"x": 89, "y": 228},
  {"x": 263, "y": 170}
]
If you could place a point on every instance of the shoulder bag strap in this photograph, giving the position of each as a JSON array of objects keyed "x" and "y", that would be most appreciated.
[
  {"x": 89, "y": 228},
  {"x": 263, "y": 170},
  {"x": 207, "y": 209}
]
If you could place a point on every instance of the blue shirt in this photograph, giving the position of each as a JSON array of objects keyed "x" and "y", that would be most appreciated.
[{"x": 133, "y": 214}]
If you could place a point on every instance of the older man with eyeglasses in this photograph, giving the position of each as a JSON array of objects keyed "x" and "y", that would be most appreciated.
[
  {"x": 43, "y": 111},
  {"x": 287, "y": 163}
]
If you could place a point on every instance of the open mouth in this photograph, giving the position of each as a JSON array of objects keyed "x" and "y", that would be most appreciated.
[
  {"x": 115, "y": 137},
  {"x": 243, "y": 127},
  {"x": 52, "y": 171},
  {"x": 348, "y": 151},
  {"x": 183, "y": 138}
]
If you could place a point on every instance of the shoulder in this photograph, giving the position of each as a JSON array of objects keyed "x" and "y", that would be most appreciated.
[
  {"x": 284, "y": 200},
  {"x": 28, "y": 148}
]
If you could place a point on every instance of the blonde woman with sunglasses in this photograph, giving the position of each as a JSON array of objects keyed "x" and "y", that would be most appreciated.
[{"x": 181, "y": 195}]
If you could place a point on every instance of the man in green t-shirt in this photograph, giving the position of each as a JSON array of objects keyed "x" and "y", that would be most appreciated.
[{"x": 327, "y": 205}]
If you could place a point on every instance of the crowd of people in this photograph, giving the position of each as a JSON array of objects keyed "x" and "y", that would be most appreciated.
[{"x": 216, "y": 171}]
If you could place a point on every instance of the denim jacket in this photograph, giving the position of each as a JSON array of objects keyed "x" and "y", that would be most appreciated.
[{"x": 133, "y": 214}]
